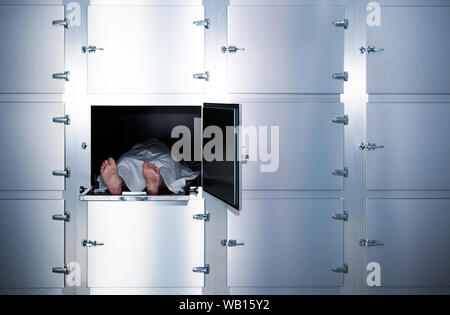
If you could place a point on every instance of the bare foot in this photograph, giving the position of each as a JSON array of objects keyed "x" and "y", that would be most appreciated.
[
  {"x": 153, "y": 179},
  {"x": 111, "y": 177}
]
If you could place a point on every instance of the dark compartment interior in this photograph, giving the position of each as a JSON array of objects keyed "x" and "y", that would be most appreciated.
[{"x": 115, "y": 129}]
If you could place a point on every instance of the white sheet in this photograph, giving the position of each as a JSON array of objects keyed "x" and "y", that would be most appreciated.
[{"x": 130, "y": 164}]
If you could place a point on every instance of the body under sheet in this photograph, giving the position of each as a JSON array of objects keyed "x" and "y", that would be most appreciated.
[{"x": 129, "y": 166}]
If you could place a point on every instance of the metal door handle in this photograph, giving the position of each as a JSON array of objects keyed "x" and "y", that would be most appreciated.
[
  {"x": 87, "y": 243},
  {"x": 370, "y": 243},
  {"x": 370, "y": 146},
  {"x": 231, "y": 49},
  {"x": 234, "y": 243}
]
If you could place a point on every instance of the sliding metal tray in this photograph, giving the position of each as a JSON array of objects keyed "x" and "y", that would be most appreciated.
[{"x": 195, "y": 193}]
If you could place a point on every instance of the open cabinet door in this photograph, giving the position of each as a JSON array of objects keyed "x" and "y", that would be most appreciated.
[{"x": 221, "y": 160}]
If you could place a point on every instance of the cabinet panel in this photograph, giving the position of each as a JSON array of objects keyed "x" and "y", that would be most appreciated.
[
  {"x": 147, "y": 49},
  {"x": 32, "y": 146},
  {"x": 415, "y": 57},
  {"x": 288, "y": 49},
  {"x": 146, "y": 244},
  {"x": 31, "y": 243},
  {"x": 415, "y": 154},
  {"x": 311, "y": 146},
  {"x": 414, "y": 234},
  {"x": 33, "y": 49},
  {"x": 287, "y": 242}
]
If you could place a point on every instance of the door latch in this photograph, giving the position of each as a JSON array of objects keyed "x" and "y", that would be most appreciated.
[
  {"x": 341, "y": 216},
  {"x": 231, "y": 49},
  {"x": 341, "y": 120},
  {"x": 62, "y": 120},
  {"x": 370, "y": 146},
  {"x": 204, "y": 269},
  {"x": 62, "y": 270},
  {"x": 341, "y": 76},
  {"x": 62, "y": 76},
  {"x": 369, "y": 243},
  {"x": 340, "y": 269},
  {"x": 202, "y": 76},
  {"x": 205, "y": 23},
  {"x": 370, "y": 50},
  {"x": 90, "y": 49},
  {"x": 343, "y": 172},
  {"x": 205, "y": 217},
  {"x": 64, "y": 23},
  {"x": 341, "y": 23},
  {"x": 87, "y": 243},
  {"x": 231, "y": 243},
  {"x": 62, "y": 217}
]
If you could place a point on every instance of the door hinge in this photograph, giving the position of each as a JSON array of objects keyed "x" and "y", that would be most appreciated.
[
  {"x": 204, "y": 269},
  {"x": 204, "y": 217},
  {"x": 341, "y": 76},
  {"x": 87, "y": 243},
  {"x": 369, "y": 243},
  {"x": 341, "y": 120},
  {"x": 62, "y": 120},
  {"x": 205, "y": 23},
  {"x": 62, "y": 217},
  {"x": 63, "y": 270},
  {"x": 342, "y": 23},
  {"x": 231, "y": 49},
  {"x": 62, "y": 76},
  {"x": 341, "y": 216},
  {"x": 343, "y": 172},
  {"x": 64, "y": 23},
  {"x": 340, "y": 269},
  {"x": 90, "y": 49},
  {"x": 370, "y": 50},
  {"x": 202, "y": 76},
  {"x": 370, "y": 146},
  {"x": 65, "y": 173}
]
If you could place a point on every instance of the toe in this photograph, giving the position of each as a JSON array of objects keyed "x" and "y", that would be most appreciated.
[{"x": 111, "y": 161}]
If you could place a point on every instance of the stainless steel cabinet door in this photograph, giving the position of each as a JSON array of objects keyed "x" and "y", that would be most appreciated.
[
  {"x": 147, "y": 49},
  {"x": 32, "y": 146},
  {"x": 31, "y": 243},
  {"x": 415, "y": 235},
  {"x": 415, "y": 154},
  {"x": 32, "y": 49},
  {"x": 310, "y": 148},
  {"x": 415, "y": 57},
  {"x": 279, "y": 56},
  {"x": 287, "y": 243},
  {"x": 146, "y": 244}
]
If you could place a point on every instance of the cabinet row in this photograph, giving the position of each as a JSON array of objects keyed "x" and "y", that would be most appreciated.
[
  {"x": 158, "y": 49},
  {"x": 161, "y": 244},
  {"x": 285, "y": 146}
]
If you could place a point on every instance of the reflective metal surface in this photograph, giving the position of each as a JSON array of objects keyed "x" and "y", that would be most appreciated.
[
  {"x": 279, "y": 45},
  {"x": 32, "y": 146},
  {"x": 31, "y": 243},
  {"x": 148, "y": 49},
  {"x": 414, "y": 154},
  {"x": 146, "y": 244},
  {"x": 25, "y": 29},
  {"x": 288, "y": 243},
  {"x": 414, "y": 235},
  {"x": 311, "y": 146},
  {"x": 415, "y": 59}
]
